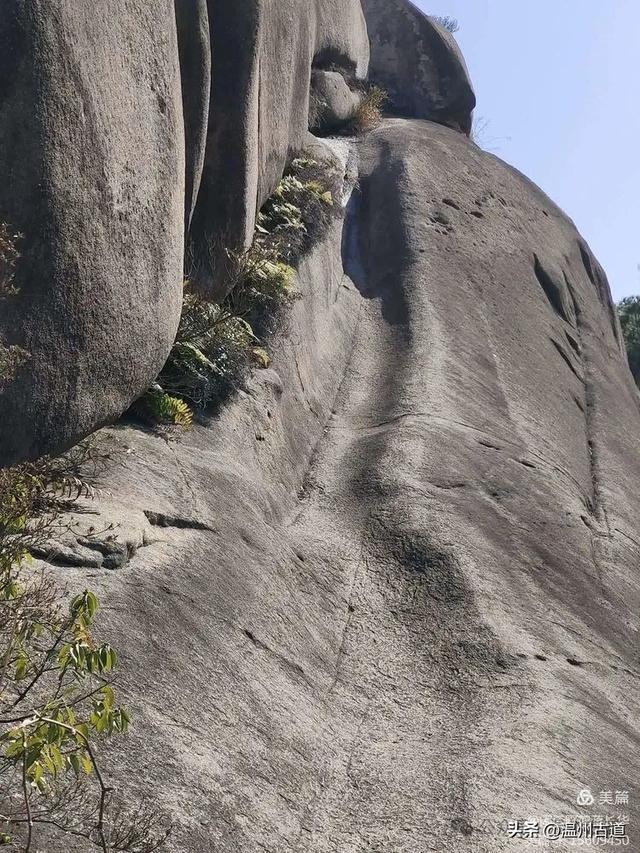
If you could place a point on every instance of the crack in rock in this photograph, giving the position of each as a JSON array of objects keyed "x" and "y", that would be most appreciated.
[{"x": 160, "y": 519}]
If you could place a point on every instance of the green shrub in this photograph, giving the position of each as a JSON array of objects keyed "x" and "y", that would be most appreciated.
[
  {"x": 265, "y": 284},
  {"x": 629, "y": 313},
  {"x": 216, "y": 344},
  {"x": 12, "y": 358},
  {"x": 297, "y": 215},
  {"x": 210, "y": 355},
  {"x": 56, "y": 697}
]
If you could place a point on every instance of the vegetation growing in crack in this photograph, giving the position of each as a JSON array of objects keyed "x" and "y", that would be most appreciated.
[
  {"x": 368, "y": 114},
  {"x": 57, "y": 701},
  {"x": 217, "y": 344},
  {"x": 629, "y": 314}
]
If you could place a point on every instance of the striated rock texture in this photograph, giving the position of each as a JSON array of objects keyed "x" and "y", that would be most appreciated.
[
  {"x": 419, "y": 64},
  {"x": 401, "y": 572},
  {"x": 263, "y": 53},
  {"x": 92, "y": 159}
]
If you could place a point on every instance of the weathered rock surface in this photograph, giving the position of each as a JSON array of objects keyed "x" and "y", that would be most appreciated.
[
  {"x": 419, "y": 64},
  {"x": 262, "y": 58},
  {"x": 92, "y": 160},
  {"x": 401, "y": 573}
]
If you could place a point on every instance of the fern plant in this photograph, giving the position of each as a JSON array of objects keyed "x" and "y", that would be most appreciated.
[
  {"x": 159, "y": 407},
  {"x": 217, "y": 344}
]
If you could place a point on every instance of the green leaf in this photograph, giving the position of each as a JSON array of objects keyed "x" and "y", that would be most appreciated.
[
  {"x": 22, "y": 667},
  {"x": 74, "y": 761},
  {"x": 109, "y": 696}
]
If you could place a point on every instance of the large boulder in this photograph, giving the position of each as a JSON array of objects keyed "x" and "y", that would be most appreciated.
[
  {"x": 333, "y": 101},
  {"x": 401, "y": 572},
  {"x": 263, "y": 54},
  {"x": 419, "y": 64},
  {"x": 92, "y": 162}
]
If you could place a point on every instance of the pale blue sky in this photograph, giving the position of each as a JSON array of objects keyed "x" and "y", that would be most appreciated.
[{"x": 557, "y": 82}]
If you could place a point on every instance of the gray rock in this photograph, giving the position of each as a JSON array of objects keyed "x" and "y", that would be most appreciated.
[
  {"x": 421, "y": 587},
  {"x": 93, "y": 164},
  {"x": 332, "y": 101},
  {"x": 419, "y": 64},
  {"x": 262, "y": 59}
]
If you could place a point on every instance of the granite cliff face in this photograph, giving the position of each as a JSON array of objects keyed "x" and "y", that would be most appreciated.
[{"x": 388, "y": 598}]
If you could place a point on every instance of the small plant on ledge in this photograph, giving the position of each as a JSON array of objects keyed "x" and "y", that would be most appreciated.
[{"x": 368, "y": 114}]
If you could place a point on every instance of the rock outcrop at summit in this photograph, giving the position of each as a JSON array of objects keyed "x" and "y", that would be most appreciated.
[
  {"x": 93, "y": 165},
  {"x": 419, "y": 64},
  {"x": 263, "y": 54}
]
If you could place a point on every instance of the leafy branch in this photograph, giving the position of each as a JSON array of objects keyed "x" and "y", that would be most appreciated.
[{"x": 57, "y": 701}]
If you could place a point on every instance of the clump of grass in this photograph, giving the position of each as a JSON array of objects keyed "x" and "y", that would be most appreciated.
[
  {"x": 368, "y": 114},
  {"x": 218, "y": 343}
]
